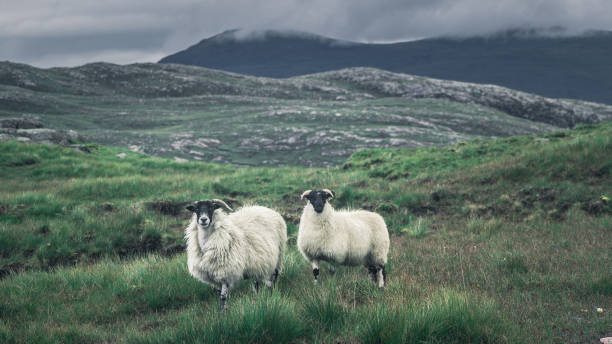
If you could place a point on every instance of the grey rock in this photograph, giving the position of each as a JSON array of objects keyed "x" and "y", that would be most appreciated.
[
  {"x": 25, "y": 122},
  {"x": 44, "y": 135}
]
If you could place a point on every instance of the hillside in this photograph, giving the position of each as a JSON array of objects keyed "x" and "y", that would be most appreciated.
[
  {"x": 492, "y": 241},
  {"x": 556, "y": 66},
  {"x": 196, "y": 113}
]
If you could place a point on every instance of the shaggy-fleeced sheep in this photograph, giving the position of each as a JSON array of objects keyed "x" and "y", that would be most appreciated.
[
  {"x": 342, "y": 237},
  {"x": 223, "y": 249}
]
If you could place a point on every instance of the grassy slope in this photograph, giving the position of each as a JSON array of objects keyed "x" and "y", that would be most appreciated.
[{"x": 501, "y": 240}]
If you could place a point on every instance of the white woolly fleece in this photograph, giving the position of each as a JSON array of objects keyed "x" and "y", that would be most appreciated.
[
  {"x": 248, "y": 243},
  {"x": 344, "y": 237}
]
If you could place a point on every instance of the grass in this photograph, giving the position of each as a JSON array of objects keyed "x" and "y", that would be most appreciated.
[
  {"x": 445, "y": 317},
  {"x": 498, "y": 241}
]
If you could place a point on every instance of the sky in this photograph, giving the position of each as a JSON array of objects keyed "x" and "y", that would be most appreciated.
[{"x": 50, "y": 33}]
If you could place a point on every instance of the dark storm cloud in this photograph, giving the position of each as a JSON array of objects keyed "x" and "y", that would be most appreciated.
[{"x": 70, "y": 32}]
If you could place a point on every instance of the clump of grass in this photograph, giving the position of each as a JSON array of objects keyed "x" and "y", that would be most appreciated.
[
  {"x": 348, "y": 196},
  {"x": 323, "y": 308},
  {"x": 513, "y": 263},
  {"x": 412, "y": 201},
  {"x": 387, "y": 207},
  {"x": 482, "y": 226},
  {"x": 603, "y": 286},
  {"x": 264, "y": 318},
  {"x": 417, "y": 228},
  {"x": 446, "y": 317}
]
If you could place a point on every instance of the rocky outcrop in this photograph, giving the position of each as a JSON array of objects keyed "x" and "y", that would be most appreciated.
[
  {"x": 558, "y": 112},
  {"x": 25, "y": 122},
  {"x": 30, "y": 129}
]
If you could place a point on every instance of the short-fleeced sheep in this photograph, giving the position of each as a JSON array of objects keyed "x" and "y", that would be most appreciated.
[
  {"x": 342, "y": 237},
  {"x": 223, "y": 248}
]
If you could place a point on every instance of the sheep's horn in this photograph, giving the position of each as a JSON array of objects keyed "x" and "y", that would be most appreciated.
[
  {"x": 223, "y": 204},
  {"x": 331, "y": 193},
  {"x": 306, "y": 193}
]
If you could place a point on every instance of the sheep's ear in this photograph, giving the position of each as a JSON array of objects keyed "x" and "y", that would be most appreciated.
[
  {"x": 330, "y": 193},
  {"x": 191, "y": 208},
  {"x": 306, "y": 193}
]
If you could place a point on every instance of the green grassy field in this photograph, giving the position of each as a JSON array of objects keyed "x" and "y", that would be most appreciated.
[{"x": 492, "y": 241}]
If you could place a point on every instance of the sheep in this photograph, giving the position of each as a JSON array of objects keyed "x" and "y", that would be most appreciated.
[
  {"x": 342, "y": 237},
  {"x": 223, "y": 249}
]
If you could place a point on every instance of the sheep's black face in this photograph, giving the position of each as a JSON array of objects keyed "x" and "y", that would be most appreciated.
[
  {"x": 318, "y": 198},
  {"x": 204, "y": 211}
]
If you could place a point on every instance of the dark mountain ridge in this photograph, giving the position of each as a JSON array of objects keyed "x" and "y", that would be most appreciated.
[{"x": 553, "y": 64}]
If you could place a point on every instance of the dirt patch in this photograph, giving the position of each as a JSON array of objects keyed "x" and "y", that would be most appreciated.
[
  {"x": 529, "y": 196},
  {"x": 596, "y": 207},
  {"x": 172, "y": 208},
  {"x": 108, "y": 207},
  {"x": 171, "y": 250},
  {"x": 24, "y": 162},
  {"x": 10, "y": 268},
  {"x": 44, "y": 230}
]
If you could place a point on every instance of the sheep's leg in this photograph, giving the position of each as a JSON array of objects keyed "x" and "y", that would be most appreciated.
[
  {"x": 332, "y": 268},
  {"x": 381, "y": 276},
  {"x": 372, "y": 271},
  {"x": 274, "y": 277},
  {"x": 256, "y": 286},
  {"x": 315, "y": 270},
  {"x": 223, "y": 295}
]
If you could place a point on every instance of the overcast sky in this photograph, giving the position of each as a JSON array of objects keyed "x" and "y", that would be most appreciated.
[{"x": 48, "y": 33}]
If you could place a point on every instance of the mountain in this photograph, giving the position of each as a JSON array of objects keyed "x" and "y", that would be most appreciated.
[
  {"x": 551, "y": 63},
  {"x": 196, "y": 113}
]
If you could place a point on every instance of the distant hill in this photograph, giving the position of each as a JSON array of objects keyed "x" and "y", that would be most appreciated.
[
  {"x": 553, "y": 65},
  {"x": 196, "y": 113}
]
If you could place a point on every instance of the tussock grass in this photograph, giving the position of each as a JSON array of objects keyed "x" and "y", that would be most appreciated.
[
  {"x": 444, "y": 317},
  {"x": 417, "y": 228},
  {"x": 256, "y": 319}
]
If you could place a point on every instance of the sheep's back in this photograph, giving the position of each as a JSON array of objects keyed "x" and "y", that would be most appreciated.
[
  {"x": 361, "y": 219},
  {"x": 365, "y": 228},
  {"x": 265, "y": 232}
]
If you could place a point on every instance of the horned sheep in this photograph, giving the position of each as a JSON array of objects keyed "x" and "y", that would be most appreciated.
[
  {"x": 223, "y": 248},
  {"x": 342, "y": 237}
]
